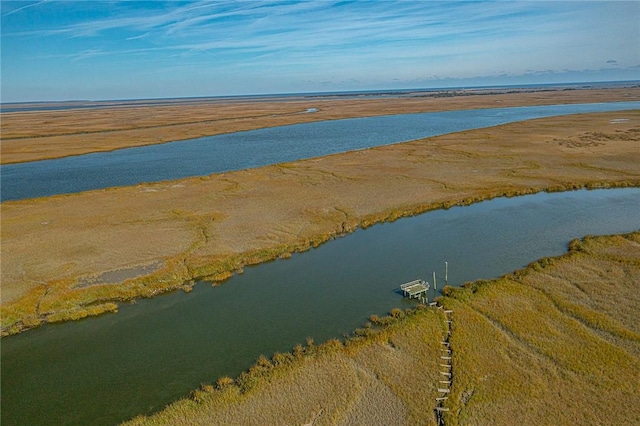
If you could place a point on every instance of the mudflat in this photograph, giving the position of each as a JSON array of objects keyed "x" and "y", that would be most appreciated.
[{"x": 68, "y": 256}]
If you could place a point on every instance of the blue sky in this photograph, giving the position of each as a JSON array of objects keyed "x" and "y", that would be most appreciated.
[{"x": 62, "y": 50}]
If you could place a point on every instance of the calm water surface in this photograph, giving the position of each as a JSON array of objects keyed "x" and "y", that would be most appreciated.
[
  {"x": 243, "y": 150},
  {"x": 108, "y": 369}
]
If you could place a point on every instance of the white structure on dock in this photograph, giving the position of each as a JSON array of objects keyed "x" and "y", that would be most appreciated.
[{"x": 415, "y": 289}]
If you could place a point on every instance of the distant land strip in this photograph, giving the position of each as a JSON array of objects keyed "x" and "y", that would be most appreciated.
[{"x": 154, "y": 126}]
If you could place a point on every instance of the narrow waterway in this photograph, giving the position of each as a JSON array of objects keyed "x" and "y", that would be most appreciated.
[
  {"x": 256, "y": 148},
  {"x": 105, "y": 370}
]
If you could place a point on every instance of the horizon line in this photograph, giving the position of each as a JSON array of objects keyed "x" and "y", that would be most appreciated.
[{"x": 380, "y": 91}]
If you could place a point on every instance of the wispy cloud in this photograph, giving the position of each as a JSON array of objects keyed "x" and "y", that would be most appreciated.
[
  {"x": 21, "y": 8},
  {"x": 354, "y": 41},
  {"x": 299, "y": 25}
]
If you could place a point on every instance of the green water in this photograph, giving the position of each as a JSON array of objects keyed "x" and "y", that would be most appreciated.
[{"x": 108, "y": 369}]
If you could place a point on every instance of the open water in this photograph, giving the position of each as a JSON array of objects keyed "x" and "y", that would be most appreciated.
[
  {"x": 256, "y": 148},
  {"x": 104, "y": 370}
]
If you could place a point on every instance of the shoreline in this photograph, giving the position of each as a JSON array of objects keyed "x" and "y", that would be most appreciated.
[
  {"x": 213, "y": 226},
  {"x": 560, "y": 340}
]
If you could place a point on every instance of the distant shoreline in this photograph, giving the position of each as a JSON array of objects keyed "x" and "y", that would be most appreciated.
[{"x": 8, "y": 107}]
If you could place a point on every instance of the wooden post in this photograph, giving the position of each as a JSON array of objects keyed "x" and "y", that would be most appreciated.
[
  {"x": 435, "y": 292},
  {"x": 435, "y": 289},
  {"x": 446, "y": 273}
]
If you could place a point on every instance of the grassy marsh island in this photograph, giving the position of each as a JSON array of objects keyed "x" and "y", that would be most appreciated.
[
  {"x": 555, "y": 343},
  {"x": 70, "y": 256}
]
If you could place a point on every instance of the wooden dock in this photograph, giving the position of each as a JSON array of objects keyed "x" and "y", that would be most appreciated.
[{"x": 415, "y": 289}]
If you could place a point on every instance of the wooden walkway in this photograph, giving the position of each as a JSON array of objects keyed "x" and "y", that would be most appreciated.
[
  {"x": 415, "y": 289},
  {"x": 444, "y": 386}
]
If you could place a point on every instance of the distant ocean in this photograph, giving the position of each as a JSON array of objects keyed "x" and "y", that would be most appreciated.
[{"x": 381, "y": 93}]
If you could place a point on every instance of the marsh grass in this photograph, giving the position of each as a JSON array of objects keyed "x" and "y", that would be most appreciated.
[
  {"x": 525, "y": 349},
  {"x": 546, "y": 345}
]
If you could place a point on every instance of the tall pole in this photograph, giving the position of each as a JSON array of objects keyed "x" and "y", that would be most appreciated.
[
  {"x": 435, "y": 291},
  {"x": 446, "y": 273}
]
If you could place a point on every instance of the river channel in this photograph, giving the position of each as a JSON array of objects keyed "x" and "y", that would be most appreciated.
[
  {"x": 256, "y": 148},
  {"x": 104, "y": 370}
]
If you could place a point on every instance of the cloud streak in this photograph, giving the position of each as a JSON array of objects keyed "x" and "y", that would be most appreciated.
[
  {"x": 21, "y": 8},
  {"x": 298, "y": 40},
  {"x": 301, "y": 25}
]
